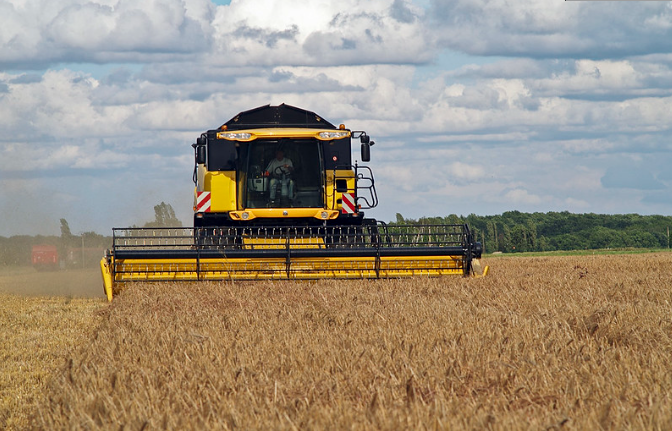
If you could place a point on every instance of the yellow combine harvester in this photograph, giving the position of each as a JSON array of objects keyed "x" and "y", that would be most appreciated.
[{"x": 277, "y": 197}]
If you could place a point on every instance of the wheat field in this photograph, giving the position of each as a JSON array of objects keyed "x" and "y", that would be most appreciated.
[{"x": 579, "y": 342}]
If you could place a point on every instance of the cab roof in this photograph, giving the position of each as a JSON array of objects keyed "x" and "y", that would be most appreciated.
[{"x": 285, "y": 116}]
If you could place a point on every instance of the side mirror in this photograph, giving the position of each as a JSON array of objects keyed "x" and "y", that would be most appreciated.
[
  {"x": 364, "y": 139},
  {"x": 366, "y": 152},
  {"x": 200, "y": 154}
]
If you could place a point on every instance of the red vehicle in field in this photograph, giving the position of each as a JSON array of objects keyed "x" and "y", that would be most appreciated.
[{"x": 45, "y": 257}]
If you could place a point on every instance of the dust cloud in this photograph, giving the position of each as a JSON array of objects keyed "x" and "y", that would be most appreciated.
[{"x": 76, "y": 283}]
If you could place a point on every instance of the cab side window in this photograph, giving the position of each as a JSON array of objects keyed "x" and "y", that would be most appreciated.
[
  {"x": 222, "y": 155},
  {"x": 337, "y": 154}
]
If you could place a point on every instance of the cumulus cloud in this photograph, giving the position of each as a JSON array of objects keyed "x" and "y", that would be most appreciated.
[
  {"x": 266, "y": 32},
  {"x": 563, "y": 106},
  {"x": 521, "y": 196},
  {"x": 42, "y": 32},
  {"x": 58, "y": 105},
  {"x": 595, "y": 30}
]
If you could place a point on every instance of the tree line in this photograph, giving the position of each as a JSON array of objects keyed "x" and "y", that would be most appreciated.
[
  {"x": 515, "y": 231},
  {"x": 510, "y": 232}
]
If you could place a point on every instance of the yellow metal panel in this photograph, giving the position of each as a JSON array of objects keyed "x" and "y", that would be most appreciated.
[
  {"x": 282, "y": 133},
  {"x": 278, "y": 213},
  {"x": 222, "y": 186},
  {"x": 332, "y": 195},
  {"x": 281, "y": 243},
  {"x": 107, "y": 278},
  {"x": 276, "y": 268}
]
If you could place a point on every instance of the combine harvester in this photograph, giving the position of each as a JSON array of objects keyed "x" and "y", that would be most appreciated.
[{"x": 278, "y": 197}]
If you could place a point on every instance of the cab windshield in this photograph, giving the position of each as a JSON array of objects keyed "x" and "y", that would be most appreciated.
[{"x": 284, "y": 173}]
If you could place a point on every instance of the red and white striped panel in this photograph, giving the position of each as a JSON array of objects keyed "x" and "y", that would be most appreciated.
[
  {"x": 202, "y": 202},
  {"x": 348, "y": 203}
]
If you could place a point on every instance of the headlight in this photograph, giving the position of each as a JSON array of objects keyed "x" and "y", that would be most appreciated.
[
  {"x": 337, "y": 134},
  {"x": 234, "y": 136}
]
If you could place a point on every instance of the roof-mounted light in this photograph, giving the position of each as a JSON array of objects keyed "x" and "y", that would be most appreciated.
[
  {"x": 248, "y": 135},
  {"x": 336, "y": 134},
  {"x": 235, "y": 136}
]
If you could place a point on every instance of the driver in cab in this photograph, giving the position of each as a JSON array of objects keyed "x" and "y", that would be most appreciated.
[{"x": 279, "y": 169}]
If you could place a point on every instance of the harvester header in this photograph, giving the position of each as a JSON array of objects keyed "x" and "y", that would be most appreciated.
[{"x": 277, "y": 196}]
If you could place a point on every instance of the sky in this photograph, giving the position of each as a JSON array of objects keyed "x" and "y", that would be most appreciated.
[{"x": 476, "y": 106}]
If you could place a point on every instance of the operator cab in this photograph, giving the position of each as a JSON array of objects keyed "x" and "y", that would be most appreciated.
[
  {"x": 241, "y": 178},
  {"x": 272, "y": 185}
]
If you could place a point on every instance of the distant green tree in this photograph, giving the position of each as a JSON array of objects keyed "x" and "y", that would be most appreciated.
[
  {"x": 569, "y": 241},
  {"x": 93, "y": 239},
  {"x": 67, "y": 239},
  {"x": 523, "y": 238},
  {"x": 560, "y": 230},
  {"x": 543, "y": 244},
  {"x": 504, "y": 238},
  {"x": 164, "y": 217},
  {"x": 641, "y": 239},
  {"x": 603, "y": 237},
  {"x": 65, "y": 229}
]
